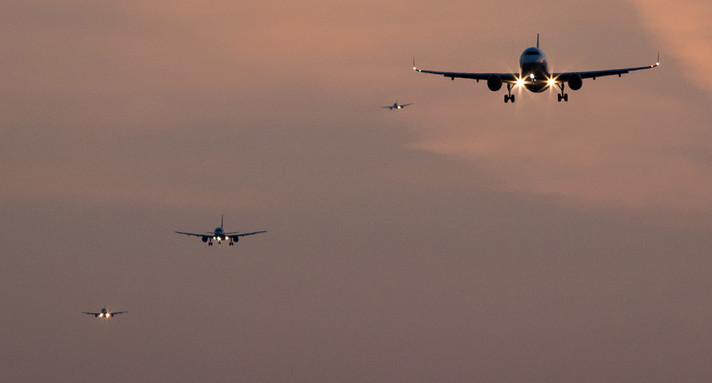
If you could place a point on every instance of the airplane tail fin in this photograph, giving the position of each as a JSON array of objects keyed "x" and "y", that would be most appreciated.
[
  {"x": 221, "y": 220},
  {"x": 537, "y": 40}
]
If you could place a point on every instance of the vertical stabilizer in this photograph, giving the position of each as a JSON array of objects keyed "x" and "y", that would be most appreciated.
[
  {"x": 537, "y": 40},
  {"x": 221, "y": 220}
]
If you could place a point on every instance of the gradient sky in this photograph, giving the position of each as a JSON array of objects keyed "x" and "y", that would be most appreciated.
[{"x": 459, "y": 240}]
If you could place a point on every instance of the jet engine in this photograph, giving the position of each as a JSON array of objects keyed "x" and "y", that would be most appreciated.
[
  {"x": 205, "y": 239},
  {"x": 235, "y": 238},
  {"x": 575, "y": 81},
  {"x": 494, "y": 83}
]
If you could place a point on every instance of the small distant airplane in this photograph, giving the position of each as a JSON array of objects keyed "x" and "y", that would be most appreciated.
[
  {"x": 104, "y": 313},
  {"x": 220, "y": 235},
  {"x": 534, "y": 75},
  {"x": 396, "y": 106}
]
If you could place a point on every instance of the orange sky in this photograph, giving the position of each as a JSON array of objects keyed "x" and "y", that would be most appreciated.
[{"x": 460, "y": 239}]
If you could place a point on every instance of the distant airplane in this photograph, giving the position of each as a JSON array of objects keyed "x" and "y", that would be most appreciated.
[
  {"x": 396, "y": 106},
  {"x": 220, "y": 235},
  {"x": 534, "y": 75},
  {"x": 104, "y": 313}
]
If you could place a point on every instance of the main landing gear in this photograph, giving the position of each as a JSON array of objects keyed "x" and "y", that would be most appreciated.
[
  {"x": 563, "y": 95},
  {"x": 509, "y": 96}
]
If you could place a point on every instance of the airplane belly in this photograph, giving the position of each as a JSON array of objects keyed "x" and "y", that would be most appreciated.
[{"x": 536, "y": 87}]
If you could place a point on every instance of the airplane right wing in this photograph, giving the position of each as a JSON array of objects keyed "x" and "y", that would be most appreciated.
[
  {"x": 118, "y": 312},
  {"x": 510, "y": 78},
  {"x": 95, "y": 314},
  {"x": 194, "y": 234}
]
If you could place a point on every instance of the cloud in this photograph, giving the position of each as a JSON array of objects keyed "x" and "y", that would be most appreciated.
[
  {"x": 683, "y": 26},
  {"x": 633, "y": 156}
]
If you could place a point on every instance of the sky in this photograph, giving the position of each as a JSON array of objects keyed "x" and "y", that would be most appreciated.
[{"x": 460, "y": 239}]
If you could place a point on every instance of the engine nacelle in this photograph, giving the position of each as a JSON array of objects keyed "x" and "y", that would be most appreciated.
[
  {"x": 235, "y": 238},
  {"x": 494, "y": 83},
  {"x": 575, "y": 81},
  {"x": 204, "y": 239}
]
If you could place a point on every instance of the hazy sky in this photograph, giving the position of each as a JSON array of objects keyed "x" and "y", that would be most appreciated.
[{"x": 461, "y": 239}]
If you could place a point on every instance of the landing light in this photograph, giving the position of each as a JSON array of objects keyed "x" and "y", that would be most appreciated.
[
  {"x": 551, "y": 82},
  {"x": 519, "y": 82}
]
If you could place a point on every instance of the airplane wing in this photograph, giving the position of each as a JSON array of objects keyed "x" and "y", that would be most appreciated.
[
  {"x": 404, "y": 105},
  {"x": 235, "y": 233},
  {"x": 195, "y": 234},
  {"x": 95, "y": 314},
  {"x": 118, "y": 312},
  {"x": 600, "y": 73},
  {"x": 505, "y": 77},
  {"x": 512, "y": 77},
  {"x": 387, "y": 107}
]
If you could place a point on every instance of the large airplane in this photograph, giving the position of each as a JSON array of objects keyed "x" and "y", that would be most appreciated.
[
  {"x": 104, "y": 313},
  {"x": 220, "y": 235},
  {"x": 534, "y": 75},
  {"x": 396, "y": 106}
]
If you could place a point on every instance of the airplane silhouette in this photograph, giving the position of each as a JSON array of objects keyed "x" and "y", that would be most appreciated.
[
  {"x": 534, "y": 75},
  {"x": 396, "y": 106},
  {"x": 104, "y": 313},
  {"x": 220, "y": 235}
]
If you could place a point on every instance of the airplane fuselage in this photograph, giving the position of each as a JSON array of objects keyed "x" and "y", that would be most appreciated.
[{"x": 534, "y": 70}]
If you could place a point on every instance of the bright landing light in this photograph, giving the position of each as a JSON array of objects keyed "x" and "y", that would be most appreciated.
[
  {"x": 519, "y": 82},
  {"x": 551, "y": 82}
]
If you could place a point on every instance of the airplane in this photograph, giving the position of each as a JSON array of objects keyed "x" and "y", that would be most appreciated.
[
  {"x": 104, "y": 313},
  {"x": 534, "y": 75},
  {"x": 220, "y": 235},
  {"x": 396, "y": 106}
]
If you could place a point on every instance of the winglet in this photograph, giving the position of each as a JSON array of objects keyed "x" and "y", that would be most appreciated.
[
  {"x": 657, "y": 63},
  {"x": 414, "y": 67}
]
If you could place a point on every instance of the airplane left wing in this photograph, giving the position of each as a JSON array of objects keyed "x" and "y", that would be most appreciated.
[
  {"x": 238, "y": 234},
  {"x": 95, "y": 314},
  {"x": 600, "y": 73}
]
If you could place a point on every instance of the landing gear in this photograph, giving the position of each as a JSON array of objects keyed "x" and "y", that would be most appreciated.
[
  {"x": 509, "y": 96},
  {"x": 232, "y": 243},
  {"x": 210, "y": 243},
  {"x": 563, "y": 95}
]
